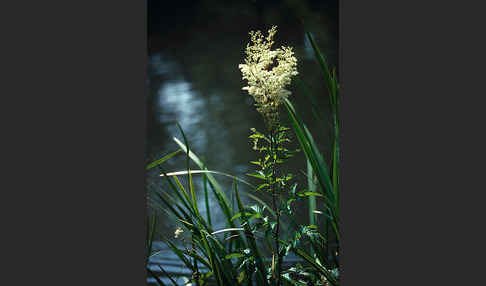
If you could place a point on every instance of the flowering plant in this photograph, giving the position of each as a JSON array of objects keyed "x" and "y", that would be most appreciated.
[
  {"x": 242, "y": 252},
  {"x": 268, "y": 73}
]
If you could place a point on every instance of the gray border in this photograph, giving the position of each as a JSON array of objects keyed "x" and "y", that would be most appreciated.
[{"x": 79, "y": 197}]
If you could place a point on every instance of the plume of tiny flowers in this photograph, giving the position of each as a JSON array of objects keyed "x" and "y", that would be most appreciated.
[
  {"x": 178, "y": 232},
  {"x": 268, "y": 73}
]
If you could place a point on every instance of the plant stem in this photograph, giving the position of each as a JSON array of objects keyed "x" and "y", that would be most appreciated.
[{"x": 274, "y": 186}]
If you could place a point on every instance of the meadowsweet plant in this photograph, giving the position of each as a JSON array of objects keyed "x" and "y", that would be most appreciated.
[{"x": 268, "y": 73}]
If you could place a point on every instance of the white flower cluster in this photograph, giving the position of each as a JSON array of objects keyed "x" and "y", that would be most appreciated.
[
  {"x": 268, "y": 73},
  {"x": 178, "y": 232}
]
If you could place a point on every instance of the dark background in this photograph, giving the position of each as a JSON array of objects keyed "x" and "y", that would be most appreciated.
[{"x": 73, "y": 185}]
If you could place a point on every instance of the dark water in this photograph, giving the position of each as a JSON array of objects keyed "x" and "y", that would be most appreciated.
[{"x": 193, "y": 79}]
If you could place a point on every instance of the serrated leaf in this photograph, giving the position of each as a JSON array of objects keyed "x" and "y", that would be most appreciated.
[{"x": 256, "y": 135}]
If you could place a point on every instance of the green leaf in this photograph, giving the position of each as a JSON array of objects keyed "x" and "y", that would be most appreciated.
[
  {"x": 254, "y": 216},
  {"x": 308, "y": 194},
  {"x": 262, "y": 186},
  {"x": 314, "y": 264},
  {"x": 206, "y": 199},
  {"x": 151, "y": 237},
  {"x": 234, "y": 255},
  {"x": 256, "y": 199},
  {"x": 239, "y": 215},
  {"x": 257, "y": 175},
  {"x": 322, "y": 62},
  {"x": 156, "y": 278},
  {"x": 168, "y": 276},
  {"x": 160, "y": 161},
  {"x": 317, "y": 162},
  {"x": 228, "y": 229},
  {"x": 256, "y": 135},
  {"x": 179, "y": 254}
]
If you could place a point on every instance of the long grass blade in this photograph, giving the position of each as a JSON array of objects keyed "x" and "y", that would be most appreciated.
[
  {"x": 322, "y": 62},
  {"x": 177, "y": 190},
  {"x": 201, "y": 259},
  {"x": 312, "y": 199},
  {"x": 179, "y": 254},
  {"x": 151, "y": 237},
  {"x": 310, "y": 150},
  {"x": 212, "y": 260},
  {"x": 227, "y": 229},
  {"x": 206, "y": 199},
  {"x": 162, "y": 160},
  {"x": 168, "y": 276},
  {"x": 156, "y": 278}
]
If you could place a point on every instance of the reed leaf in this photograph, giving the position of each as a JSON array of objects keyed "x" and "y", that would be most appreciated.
[{"x": 162, "y": 160}]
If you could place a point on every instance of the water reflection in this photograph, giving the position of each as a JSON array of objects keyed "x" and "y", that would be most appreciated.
[{"x": 184, "y": 106}]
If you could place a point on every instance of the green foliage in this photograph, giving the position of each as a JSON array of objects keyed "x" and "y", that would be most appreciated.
[
  {"x": 327, "y": 178},
  {"x": 273, "y": 152},
  {"x": 248, "y": 249}
]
